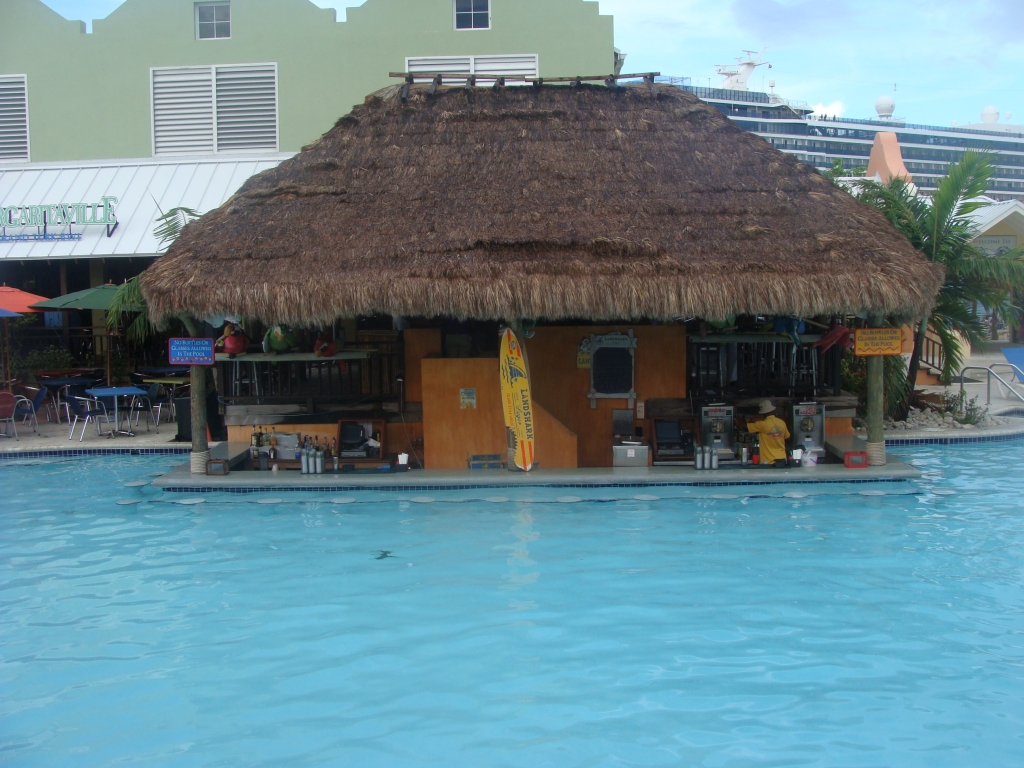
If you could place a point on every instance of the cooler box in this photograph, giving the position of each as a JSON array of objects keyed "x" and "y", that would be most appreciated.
[
  {"x": 629, "y": 455},
  {"x": 855, "y": 460}
]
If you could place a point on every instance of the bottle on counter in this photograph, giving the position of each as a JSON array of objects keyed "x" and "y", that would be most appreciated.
[
  {"x": 319, "y": 462},
  {"x": 304, "y": 460},
  {"x": 273, "y": 451},
  {"x": 698, "y": 458},
  {"x": 714, "y": 459}
]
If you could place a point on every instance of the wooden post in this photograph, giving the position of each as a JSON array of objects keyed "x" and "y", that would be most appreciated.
[
  {"x": 200, "y": 445},
  {"x": 876, "y": 405}
]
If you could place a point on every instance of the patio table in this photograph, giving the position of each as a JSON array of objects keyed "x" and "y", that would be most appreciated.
[
  {"x": 116, "y": 392},
  {"x": 172, "y": 384},
  {"x": 165, "y": 371}
]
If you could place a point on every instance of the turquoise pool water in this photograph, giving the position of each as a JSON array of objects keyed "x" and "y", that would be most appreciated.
[{"x": 560, "y": 627}]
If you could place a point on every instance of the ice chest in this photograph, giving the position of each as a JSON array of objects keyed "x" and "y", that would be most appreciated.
[
  {"x": 855, "y": 460},
  {"x": 629, "y": 455}
]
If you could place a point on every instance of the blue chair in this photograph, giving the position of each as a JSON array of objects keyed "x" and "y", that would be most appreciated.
[
  {"x": 86, "y": 410},
  {"x": 29, "y": 409}
]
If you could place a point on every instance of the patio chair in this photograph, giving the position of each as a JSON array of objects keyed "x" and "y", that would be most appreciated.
[
  {"x": 24, "y": 410},
  {"x": 28, "y": 407},
  {"x": 151, "y": 403},
  {"x": 86, "y": 410},
  {"x": 8, "y": 407}
]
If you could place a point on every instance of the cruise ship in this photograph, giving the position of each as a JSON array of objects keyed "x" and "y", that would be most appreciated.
[{"x": 928, "y": 150}]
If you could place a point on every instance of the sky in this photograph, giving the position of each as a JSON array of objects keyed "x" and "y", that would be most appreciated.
[{"x": 942, "y": 61}]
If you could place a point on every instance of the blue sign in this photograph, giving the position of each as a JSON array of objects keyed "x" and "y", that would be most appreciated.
[{"x": 190, "y": 352}]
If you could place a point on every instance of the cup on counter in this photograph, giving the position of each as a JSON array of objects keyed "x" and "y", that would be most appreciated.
[{"x": 403, "y": 458}]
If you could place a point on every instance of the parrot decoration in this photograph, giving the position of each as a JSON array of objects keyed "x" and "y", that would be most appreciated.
[
  {"x": 279, "y": 338},
  {"x": 233, "y": 340}
]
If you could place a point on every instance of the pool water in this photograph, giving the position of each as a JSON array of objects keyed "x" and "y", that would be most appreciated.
[{"x": 839, "y": 625}]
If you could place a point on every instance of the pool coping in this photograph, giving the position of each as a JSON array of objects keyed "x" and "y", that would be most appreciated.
[{"x": 181, "y": 480}]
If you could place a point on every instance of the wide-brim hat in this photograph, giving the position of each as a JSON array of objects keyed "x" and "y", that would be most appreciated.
[{"x": 765, "y": 407}]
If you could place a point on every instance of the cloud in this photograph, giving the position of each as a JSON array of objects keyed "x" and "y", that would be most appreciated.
[
  {"x": 782, "y": 21},
  {"x": 835, "y": 109}
]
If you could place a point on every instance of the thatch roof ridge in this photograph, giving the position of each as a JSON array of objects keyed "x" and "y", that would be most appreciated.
[{"x": 552, "y": 202}]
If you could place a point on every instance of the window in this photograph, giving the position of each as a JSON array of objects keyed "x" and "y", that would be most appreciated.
[
  {"x": 203, "y": 110},
  {"x": 213, "y": 21},
  {"x": 472, "y": 14},
  {"x": 13, "y": 117},
  {"x": 485, "y": 68}
]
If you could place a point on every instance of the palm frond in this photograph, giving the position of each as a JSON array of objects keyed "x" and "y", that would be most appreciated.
[
  {"x": 128, "y": 300},
  {"x": 170, "y": 224}
]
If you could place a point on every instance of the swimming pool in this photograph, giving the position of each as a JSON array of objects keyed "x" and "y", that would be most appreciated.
[{"x": 859, "y": 625}]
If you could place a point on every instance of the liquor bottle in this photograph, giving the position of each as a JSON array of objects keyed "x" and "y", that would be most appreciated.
[
  {"x": 259, "y": 435},
  {"x": 273, "y": 437},
  {"x": 252, "y": 438},
  {"x": 334, "y": 447},
  {"x": 273, "y": 451}
]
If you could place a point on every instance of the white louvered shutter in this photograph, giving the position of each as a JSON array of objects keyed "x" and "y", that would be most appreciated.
[
  {"x": 455, "y": 65},
  {"x": 246, "y": 107},
  {"x": 486, "y": 68},
  {"x": 522, "y": 65},
  {"x": 13, "y": 117},
  {"x": 183, "y": 111}
]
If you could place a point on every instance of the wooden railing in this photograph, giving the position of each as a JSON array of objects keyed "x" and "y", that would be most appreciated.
[{"x": 932, "y": 354}]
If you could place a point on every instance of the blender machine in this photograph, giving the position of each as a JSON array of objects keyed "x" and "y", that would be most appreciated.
[{"x": 716, "y": 430}]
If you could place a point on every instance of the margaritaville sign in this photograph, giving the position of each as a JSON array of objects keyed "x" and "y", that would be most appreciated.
[{"x": 57, "y": 215}]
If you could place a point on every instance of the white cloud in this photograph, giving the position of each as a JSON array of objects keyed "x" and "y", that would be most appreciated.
[{"x": 835, "y": 109}]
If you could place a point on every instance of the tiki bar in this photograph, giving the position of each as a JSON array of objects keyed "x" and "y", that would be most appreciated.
[{"x": 555, "y": 276}]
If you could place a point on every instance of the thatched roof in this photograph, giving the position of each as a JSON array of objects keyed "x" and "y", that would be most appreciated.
[{"x": 550, "y": 202}]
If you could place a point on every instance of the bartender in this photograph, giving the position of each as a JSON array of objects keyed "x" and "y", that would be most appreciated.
[{"x": 773, "y": 432}]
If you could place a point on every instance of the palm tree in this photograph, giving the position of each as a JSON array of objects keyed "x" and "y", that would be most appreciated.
[
  {"x": 128, "y": 299},
  {"x": 942, "y": 228}
]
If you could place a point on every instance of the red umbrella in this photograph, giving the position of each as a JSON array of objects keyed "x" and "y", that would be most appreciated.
[{"x": 14, "y": 300}]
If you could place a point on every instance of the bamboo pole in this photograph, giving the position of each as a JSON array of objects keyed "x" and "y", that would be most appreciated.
[
  {"x": 7, "y": 372},
  {"x": 197, "y": 402},
  {"x": 876, "y": 405}
]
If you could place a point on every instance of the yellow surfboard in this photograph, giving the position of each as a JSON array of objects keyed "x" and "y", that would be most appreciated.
[{"x": 515, "y": 395}]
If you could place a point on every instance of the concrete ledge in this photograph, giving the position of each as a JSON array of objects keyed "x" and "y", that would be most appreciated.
[{"x": 180, "y": 479}]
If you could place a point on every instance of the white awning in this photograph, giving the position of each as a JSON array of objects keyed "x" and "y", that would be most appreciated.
[{"x": 69, "y": 197}]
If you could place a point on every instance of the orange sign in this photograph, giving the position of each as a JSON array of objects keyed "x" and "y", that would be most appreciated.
[{"x": 875, "y": 342}]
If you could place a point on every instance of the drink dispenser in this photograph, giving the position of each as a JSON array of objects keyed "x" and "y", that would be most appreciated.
[
  {"x": 716, "y": 429},
  {"x": 809, "y": 428}
]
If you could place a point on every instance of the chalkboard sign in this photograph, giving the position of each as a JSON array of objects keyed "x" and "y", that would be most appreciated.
[
  {"x": 613, "y": 371},
  {"x": 190, "y": 352},
  {"x": 611, "y": 367}
]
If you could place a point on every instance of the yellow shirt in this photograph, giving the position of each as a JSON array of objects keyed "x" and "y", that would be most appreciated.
[{"x": 774, "y": 433}]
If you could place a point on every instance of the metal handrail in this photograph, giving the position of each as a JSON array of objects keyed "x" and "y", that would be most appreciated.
[{"x": 988, "y": 382}]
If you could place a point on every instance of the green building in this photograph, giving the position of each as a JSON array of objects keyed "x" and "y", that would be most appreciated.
[
  {"x": 178, "y": 77},
  {"x": 175, "y": 103}
]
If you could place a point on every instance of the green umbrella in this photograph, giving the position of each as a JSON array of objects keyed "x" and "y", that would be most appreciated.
[{"x": 99, "y": 298}]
